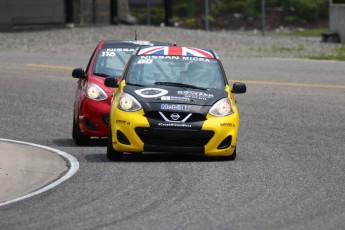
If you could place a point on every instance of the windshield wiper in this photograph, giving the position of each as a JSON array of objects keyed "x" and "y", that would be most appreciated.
[
  {"x": 101, "y": 74},
  {"x": 128, "y": 83},
  {"x": 179, "y": 85}
]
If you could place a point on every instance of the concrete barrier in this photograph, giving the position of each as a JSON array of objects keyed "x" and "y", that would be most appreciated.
[
  {"x": 19, "y": 12},
  {"x": 31, "y": 12},
  {"x": 99, "y": 12},
  {"x": 337, "y": 20}
]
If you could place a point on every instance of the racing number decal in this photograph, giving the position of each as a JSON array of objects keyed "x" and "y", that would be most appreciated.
[
  {"x": 108, "y": 54},
  {"x": 145, "y": 61}
]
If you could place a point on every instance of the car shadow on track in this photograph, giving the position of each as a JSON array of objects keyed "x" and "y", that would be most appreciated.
[{"x": 153, "y": 157}]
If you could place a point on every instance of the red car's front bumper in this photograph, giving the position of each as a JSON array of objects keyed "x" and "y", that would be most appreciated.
[{"x": 94, "y": 117}]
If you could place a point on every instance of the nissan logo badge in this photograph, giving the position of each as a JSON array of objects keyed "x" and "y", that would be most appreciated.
[{"x": 175, "y": 116}]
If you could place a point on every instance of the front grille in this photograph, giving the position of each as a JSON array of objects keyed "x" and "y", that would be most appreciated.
[
  {"x": 195, "y": 117},
  {"x": 173, "y": 137}
]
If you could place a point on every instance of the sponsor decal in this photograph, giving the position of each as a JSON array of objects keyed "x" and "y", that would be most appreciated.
[
  {"x": 227, "y": 124},
  {"x": 175, "y": 107},
  {"x": 161, "y": 57},
  {"x": 123, "y": 122},
  {"x": 111, "y": 52},
  {"x": 120, "y": 49},
  {"x": 196, "y": 59},
  {"x": 172, "y": 98},
  {"x": 174, "y": 125},
  {"x": 195, "y": 95},
  {"x": 151, "y": 92}
]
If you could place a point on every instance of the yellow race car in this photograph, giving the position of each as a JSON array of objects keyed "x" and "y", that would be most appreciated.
[{"x": 173, "y": 99}]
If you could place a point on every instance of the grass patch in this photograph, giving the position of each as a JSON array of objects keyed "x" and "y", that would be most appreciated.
[
  {"x": 304, "y": 33},
  {"x": 340, "y": 56},
  {"x": 280, "y": 49}
]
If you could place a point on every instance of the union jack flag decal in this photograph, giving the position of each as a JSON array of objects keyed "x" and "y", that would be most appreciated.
[{"x": 176, "y": 51}]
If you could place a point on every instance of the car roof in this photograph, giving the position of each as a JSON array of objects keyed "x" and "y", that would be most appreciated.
[
  {"x": 177, "y": 51},
  {"x": 132, "y": 43}
]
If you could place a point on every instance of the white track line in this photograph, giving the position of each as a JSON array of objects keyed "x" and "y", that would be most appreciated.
[{"x": 73, "y": 168}]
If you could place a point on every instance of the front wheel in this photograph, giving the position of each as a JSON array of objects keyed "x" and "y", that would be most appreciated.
[
  {"x": 111, "y": 153},
  {"x": 73, "y": 129},
  {"x": 79, "y": 138}
]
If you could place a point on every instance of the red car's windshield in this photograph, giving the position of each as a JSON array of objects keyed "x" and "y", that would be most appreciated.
[{"x": 110, "y": 62}]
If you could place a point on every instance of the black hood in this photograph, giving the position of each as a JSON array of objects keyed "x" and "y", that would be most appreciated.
[{"x": 176, "y": 95}]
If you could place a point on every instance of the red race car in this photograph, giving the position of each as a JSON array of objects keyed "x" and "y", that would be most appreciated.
[{"x": 93, "y": 98}]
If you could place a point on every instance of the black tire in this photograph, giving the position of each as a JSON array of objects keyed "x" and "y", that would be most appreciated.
[
  {"x": 111, "y": 153},
  {"x": 79, "y": 138},
  {"x": 73, "y": 129}
]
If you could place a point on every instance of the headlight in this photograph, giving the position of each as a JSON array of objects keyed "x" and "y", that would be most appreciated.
[
  {"x": 128, "y": 103},
  {"x": 221, "y": 108},
  {"x": 95, "y": 92}
]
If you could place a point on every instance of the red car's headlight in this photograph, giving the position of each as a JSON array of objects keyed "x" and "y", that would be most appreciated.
[{"x": 95, "y": 92}]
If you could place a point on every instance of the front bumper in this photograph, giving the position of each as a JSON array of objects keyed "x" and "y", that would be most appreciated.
[
  {"x": 94, "y": 117},
  {"x": 132, "y": 132}
]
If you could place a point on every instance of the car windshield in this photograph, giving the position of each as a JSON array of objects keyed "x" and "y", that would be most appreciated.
[
  {"x": 180, "y": 71},
  {"x": 110, "y": 62}
]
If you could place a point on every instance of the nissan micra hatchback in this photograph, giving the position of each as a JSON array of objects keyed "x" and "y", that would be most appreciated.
[
  {"x": 173, "y": 99},
  {"x": 92, "y": 97}
]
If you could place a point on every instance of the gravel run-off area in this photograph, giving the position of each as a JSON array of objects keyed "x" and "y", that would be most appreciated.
[{"x": 82, "y": 41}]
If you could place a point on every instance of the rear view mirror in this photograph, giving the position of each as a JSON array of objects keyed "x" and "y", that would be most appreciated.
[
  {"x": 111, "y": 82},
  {"x": 78, "y": 73},
  {"x": 239, "y": 87}
]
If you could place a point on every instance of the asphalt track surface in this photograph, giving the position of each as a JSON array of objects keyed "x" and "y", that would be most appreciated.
[{"x": 289, "y": 173}]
